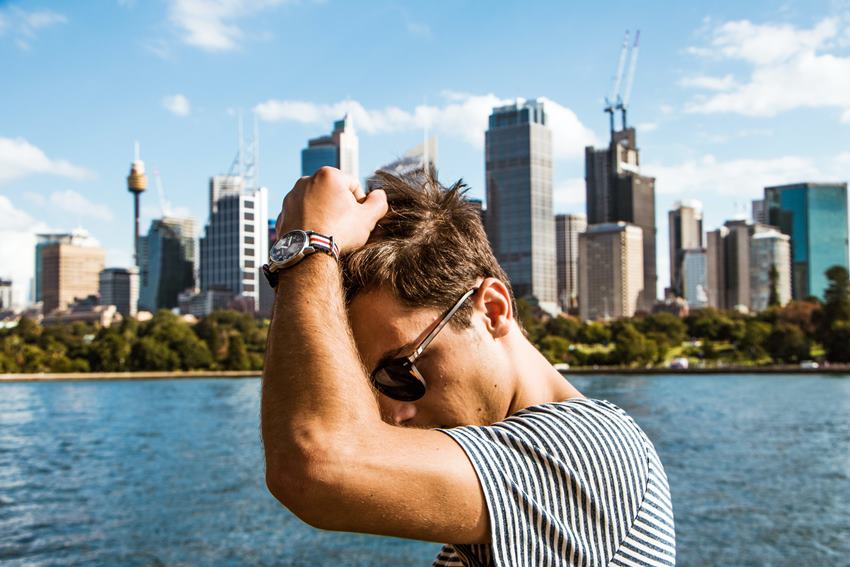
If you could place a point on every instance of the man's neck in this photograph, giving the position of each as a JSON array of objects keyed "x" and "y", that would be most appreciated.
[{"x": 537, "y": 381}]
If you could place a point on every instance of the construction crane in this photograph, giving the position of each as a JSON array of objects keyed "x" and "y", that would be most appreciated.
[
  {"x": 623, "y": 104},
  {"x": 612, "y": 102},
  {"x": 164, "y": 207}
]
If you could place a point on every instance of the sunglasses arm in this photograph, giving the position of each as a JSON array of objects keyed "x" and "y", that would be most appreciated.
[{"x": 443, "y": 322}]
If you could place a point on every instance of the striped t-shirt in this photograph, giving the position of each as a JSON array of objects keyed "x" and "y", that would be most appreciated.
[{"x": 575, "y": 482}]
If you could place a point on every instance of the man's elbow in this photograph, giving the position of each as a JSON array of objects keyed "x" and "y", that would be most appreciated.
[{"x": 304, "y": 481}]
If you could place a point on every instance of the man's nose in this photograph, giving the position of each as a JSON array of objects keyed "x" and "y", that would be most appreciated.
[{"x": 398, "y": 412}]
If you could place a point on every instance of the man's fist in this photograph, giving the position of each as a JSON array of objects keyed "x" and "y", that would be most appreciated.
[{"x": 333, "y": 203}]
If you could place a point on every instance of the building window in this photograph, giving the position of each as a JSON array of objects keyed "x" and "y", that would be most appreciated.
[
  {"x": 248, "y": 287},
  {"x": 249, "y": 204},
  {"x": 249, "y": 263},
  {"x": 249, "y": 216},
  {"x": 249, "y": 228},
  {"x": 249, "y": 240},
  {"x": 249, "y": 252}
]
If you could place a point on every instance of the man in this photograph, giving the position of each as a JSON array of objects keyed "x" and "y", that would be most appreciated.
[{"x": 401, "y": 396}]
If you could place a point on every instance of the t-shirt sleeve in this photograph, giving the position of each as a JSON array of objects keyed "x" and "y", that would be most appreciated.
[{"x": 548, "y": 491}]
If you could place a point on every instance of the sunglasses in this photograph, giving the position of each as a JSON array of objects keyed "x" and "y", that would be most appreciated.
[{"x": 398, "y": 378}]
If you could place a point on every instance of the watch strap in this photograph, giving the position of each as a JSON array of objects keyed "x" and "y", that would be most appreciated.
[{"x": 323, "y": 243}]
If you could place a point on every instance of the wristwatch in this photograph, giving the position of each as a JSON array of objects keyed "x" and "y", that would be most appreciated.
[{"x": 293, "y": 247}]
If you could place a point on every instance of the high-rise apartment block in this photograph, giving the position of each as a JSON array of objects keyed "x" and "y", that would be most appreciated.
[
  {"x": 120, "y": 287},
  {"x": 770, "y": 269},
  {"x": 520, "y": 222},
  {"x": 616, "y": 191},
  {"x": 685, "y": 225},
  {"x": 814, "y": 215},
  {"x": 340, "y": 149},
  {"x": 235, "y": 242},
  {"x": 567, "y": 229},
  {"x": 692, "y": 277},
  {"x": 610, "y": 271},
  {"x": 728, "y": 264},
  {"x": 167, "y": 262},
  {"x": 68, "y": 268},
  {"x": 5, "y": 294}
]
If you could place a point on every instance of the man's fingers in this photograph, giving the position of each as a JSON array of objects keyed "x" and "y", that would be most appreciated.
[{"x": 376, "y": 205}]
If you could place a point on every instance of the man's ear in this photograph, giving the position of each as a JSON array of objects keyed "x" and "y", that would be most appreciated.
[{"x": 493, "y": 300}]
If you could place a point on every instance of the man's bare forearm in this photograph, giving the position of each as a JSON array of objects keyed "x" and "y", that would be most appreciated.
[{"x": 313, "y": 381}]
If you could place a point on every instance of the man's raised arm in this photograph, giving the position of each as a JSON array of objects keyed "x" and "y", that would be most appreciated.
[{"x": 329, "y": 457}]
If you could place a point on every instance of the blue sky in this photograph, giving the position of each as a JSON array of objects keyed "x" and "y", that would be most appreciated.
[{"x": 728, "y": 97}]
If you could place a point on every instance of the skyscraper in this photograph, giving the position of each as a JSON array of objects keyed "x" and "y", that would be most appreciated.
[
  {"x": 70, "y": 269},
  {"x": 610, "y": 270},
  {"x": 685, "y": 225},
  {"x": 814, "y": 215},
  {"x": 567, "y": 229},
  {"x": 137, "y": 182},
  {"x": 758, "y": 213},
  {"x": 42, "y": 241},
  {"x": 168, "y": 256},
  {"x": 769, "y": 250},
  {"x": 235, "y": 242},
  {"x": 715, "y": 267},
  {"x": 520, "y": 223},
  {"x": 5, "y": 294},
  {"x": 728, "y": 264},
  {"x": 339, "y": 149},
  {"x": 692, "y": 277},
  {"x": 616, "y": 191},
  {"x": 120, "y": 287}
]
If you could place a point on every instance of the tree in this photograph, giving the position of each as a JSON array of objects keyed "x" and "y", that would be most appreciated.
[
  {"x": 237, "y": 354},
  {"x": 752, "y": 344},
  {"x": 150, "y": 354},
  {"x": 594, "y": 333},
  {"x": 664, "y": 324},
  {"x": 773, "y": 278},
  {"x": 555, "y": 349},
  {"x": 631, "y": 347},
  {"x": 836, "y": 305},
  {"x": 563, "y": 326},
  {"x": 837, "y": 342},
  {"x": 787, "y": 343}
]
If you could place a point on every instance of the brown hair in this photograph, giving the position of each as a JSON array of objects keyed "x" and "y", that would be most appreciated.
[{"x": 428, "y": 249}]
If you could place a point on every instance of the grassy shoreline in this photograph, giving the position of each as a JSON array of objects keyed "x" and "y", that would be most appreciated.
[{"x": 195, "y": 374}]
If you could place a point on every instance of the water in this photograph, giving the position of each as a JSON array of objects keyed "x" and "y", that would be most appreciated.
[{"x": 170, "y": 473}]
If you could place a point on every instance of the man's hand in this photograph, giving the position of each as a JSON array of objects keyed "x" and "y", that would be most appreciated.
[{"x": 332, "y": 203}]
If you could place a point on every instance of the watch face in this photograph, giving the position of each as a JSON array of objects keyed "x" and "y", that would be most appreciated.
[{"x": 288, "y": 246}]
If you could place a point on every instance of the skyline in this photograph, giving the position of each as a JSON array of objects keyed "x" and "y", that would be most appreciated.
[{"x": 711, "y": 126}]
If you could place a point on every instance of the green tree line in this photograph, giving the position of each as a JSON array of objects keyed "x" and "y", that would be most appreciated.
[
  {"x": 798, "y": 331},
  {"x": 225, "y": 340}
]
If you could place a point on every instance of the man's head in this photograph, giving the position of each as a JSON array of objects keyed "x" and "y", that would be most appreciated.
[{"x": 427, "y": 251}]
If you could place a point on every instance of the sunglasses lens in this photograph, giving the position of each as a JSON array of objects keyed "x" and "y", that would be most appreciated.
[{"x": 399, "y": 382}]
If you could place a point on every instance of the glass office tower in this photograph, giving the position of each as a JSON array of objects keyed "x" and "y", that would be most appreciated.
[
  {"x": 520, "y": 223},
  {"x": 814, "y": 215}
]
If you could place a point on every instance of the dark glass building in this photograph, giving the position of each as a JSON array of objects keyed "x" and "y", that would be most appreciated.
[
  {"x": 617, "y": 192},
  {"x": 814, "y": 215},
  {"x": 520, "y": 222}
]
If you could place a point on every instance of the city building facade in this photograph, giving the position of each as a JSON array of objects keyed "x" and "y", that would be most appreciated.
[
  {"x": 235, "y": 242},
  {"x": 520, "y": 221},
  {"x": 770, "y": 258},
  {"x": 167, "y": 262},
  {"x": 567, "y": 229},
  {"x": 616, "y": 191},
  {"x": 5, "y": 294},
  {"x": 69, "y": 269},
  {"x": 685, "y": 226},
  {"x": 814, "y": 215},
  {"x": 692, "y": 277},
  {"x": 610, "y": 271},
  {"x": 340, "y": 149},
  {"x": 120, "y": 287}
]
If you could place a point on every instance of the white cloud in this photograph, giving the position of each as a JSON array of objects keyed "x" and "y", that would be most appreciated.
[
  {"x": 740, "y": 178},
  {"x": 23, "y": 25},
  {"x": 19, "y": 158},
  {"x": 74, "y": 203},
  {"x": 463, "y": 116},
  {"x": 790, "y": 68},
  {"x": 17, "y": 247},
  {"x": 723, "y": 83},
  {"x": 569, "y": 195},
  {"x": 647, "y": 126},
  {"x": 177, "y": 105},
  {"x": 212, "y": 25}
]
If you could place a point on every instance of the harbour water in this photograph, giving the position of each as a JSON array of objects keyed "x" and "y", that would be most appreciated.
[{"x": 171, "y": 473}]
